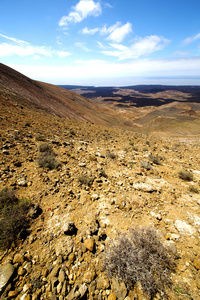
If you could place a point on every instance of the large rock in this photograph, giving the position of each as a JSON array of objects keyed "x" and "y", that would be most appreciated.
[
  {"x": 6, "y": 272},
  {"x": 118, "y": 288},
  {"x": 77, "y": 292},
  {"x": 89, "y": 244},
  {"x": 184, "y": 228},
  {"x": 145, "y": 187}
]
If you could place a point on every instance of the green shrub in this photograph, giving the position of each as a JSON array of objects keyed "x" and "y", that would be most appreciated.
[
  {"x": 13, "y": 217},
  {"x": 139, "y": 256},
  {"x": 185, "y": 175}
]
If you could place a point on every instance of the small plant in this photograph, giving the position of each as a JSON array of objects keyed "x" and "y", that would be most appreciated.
[
  {"x": 135, "y": 148},
  {"x": 193, "y": 189},
  {"x": 45, "y": 148},
  {"x": 110, "y": 154},
  {"x": 7, "y": 197},
  {"x": 139, "y": 256},
  {"x": 13, "y": 217},
  {"x": 102, "y": 173},
  {"x": 155, "y": 159},
  {"x": 40, "y": 138},
  {"x": 48, "y": 160},
  {"x": 47, "y": 157},
  {"x": 185, "y": 175},
  {"x": 145, "y": 165},
  {"x": 85, "y": 179}
]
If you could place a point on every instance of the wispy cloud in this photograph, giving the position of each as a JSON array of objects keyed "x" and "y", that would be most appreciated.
[
  {"x": 22, "y": 48},
  {"x": 13, "y": 39},
  {"x": 182, "y": 53},
  {"x": 115, "y": 33},
  {"x": 191, "y": 39},
  {"x": 92, "y": 31},
  {"x": 62, "y": 53},
  {"x": 82, "y": 46},
  {"x": 81, "y": 11},
  {"x": 142, "y": 46},
  {"x": 120, "y": 32}
]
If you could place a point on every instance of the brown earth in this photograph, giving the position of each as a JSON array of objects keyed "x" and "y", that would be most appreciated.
[{"x": 134, "y": 182}]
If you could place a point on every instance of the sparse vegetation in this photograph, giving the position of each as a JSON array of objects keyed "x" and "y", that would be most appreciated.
[
  {"x": 47, "y": 157},
  {"x": 85, "y": 179},
  {"x": 46, "y": 148},
  {"x": 13, "y": 217},
  {"x": 110, "y": 154},
  {"x": 48, "y": 160},
  {"x": 194, "y": 189},
  {"x": 185, "y": 175},
  {"x": 139, "y": 256},
  {"x": 40, "y": 138},
  {"x": 102, "y": 173},
  {"x": 155, "y": 159},
  {"x": 145, "y": 165}
]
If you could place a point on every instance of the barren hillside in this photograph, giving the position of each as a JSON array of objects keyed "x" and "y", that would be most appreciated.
[{"x": 74, "y": 197}]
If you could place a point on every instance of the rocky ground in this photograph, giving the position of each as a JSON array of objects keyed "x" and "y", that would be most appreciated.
[{"x": 108, "y": 181}]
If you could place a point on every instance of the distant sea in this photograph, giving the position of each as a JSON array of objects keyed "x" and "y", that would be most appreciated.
[{"x": 154, "y": 80}]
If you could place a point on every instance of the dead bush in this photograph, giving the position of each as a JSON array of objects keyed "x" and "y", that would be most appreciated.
[
  {"x": 185, "y": 175},
  {"x": 48, "y": 160},
  {"x": 85, "y": 179},
  {"x": 139, "y": 256},
  {"x": 13, "y": 217},
  {"x": 47, "y": 157}
]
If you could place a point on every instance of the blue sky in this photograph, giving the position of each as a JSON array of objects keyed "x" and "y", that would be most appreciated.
[{"x": 95, "y": 42}]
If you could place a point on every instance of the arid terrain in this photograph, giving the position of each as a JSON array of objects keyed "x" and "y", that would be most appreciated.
[{"x": 113, "y": 169}]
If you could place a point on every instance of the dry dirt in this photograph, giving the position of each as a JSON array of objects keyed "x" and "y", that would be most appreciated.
[{"x": 128, "y": 189}]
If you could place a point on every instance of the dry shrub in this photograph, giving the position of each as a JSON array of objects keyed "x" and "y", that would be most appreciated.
[
  {"x": 139, "y": 256},
  {"x": 48, "y": 160},
  {"x": 47, "y": 157},
  {"x": 85, "y": 179},
  {"x": 185, "y": 175},
  {"x": 155, "y": 159},
  {"x": 13, "y": 217},
  {"x": 46, "y": 148},
  {"x": 110, "y": 154}
]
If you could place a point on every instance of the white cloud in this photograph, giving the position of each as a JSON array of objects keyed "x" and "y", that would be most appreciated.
[
  {"x": 85, "y": 72},
  {"x": 119, "y": 33},
  {"x": 81, "y": 11},
  {"x": 62, "y": 53},
  {"x": 82, "y": 46},
  {"x": 22, "y": 48},
  {"x": 85, "y": 30},
  {"x": 116, "y": 32},
  {"x": 191, "y": 39},
  {"x": 142, "y": 46},
  {"x": 14, "y": 39}
]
